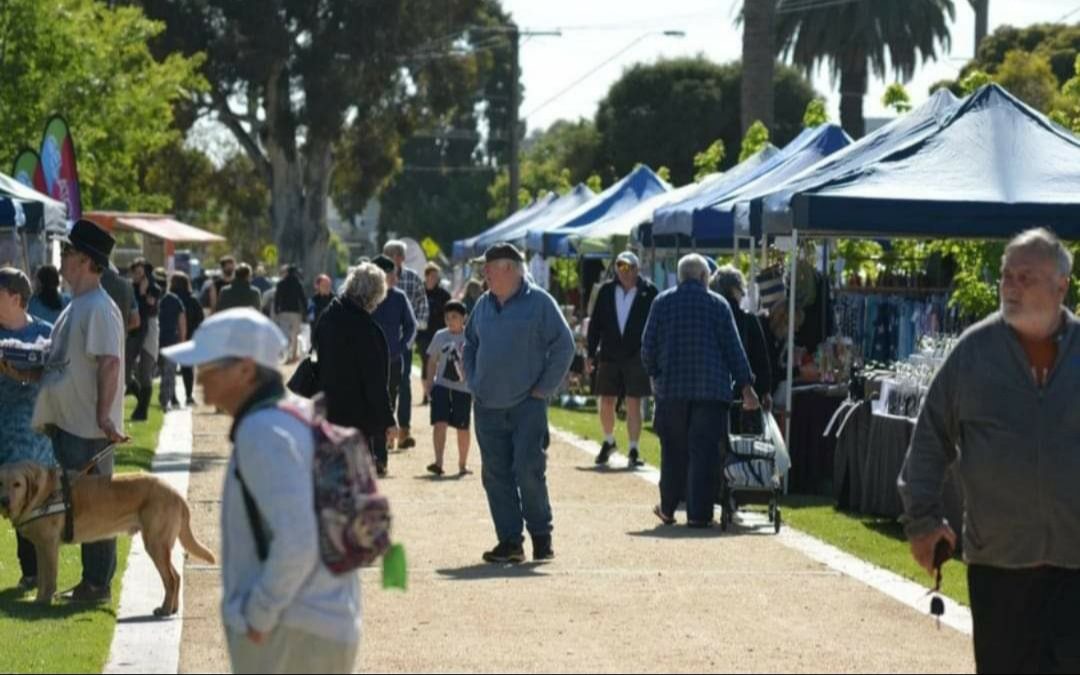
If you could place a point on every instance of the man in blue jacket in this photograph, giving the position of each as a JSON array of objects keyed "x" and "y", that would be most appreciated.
[{"x": 518, "y": 350}]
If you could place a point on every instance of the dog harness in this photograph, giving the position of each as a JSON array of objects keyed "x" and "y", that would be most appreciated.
[{"x": 57, "y": 503}]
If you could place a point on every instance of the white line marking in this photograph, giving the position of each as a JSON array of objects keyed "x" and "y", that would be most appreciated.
[{"x": 143, "y": 644}]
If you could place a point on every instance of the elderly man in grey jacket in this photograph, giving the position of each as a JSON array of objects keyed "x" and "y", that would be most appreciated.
[
  {"x": 518, "y": 349},
  {"x": 1003, "y": 409}
]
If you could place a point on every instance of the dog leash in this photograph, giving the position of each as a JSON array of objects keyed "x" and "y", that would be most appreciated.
[{"x": 96, "y": 459}]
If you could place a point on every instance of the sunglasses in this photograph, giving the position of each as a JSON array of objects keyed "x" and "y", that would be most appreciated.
[{"x": 623, "y": 266}]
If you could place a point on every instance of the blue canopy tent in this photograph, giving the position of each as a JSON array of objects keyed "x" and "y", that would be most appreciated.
[
  {"x": 609, "y": 235},
  {"x": 674, "y": 224},
  {"x": 772, "y": 212},
  {"x": 635, "y": 187},
  {"x": 717, "y": 220},
  {"x": 466, "y": 248},
  {"x": 553, "y": 213},
  {"x": 992, "y": 168}
]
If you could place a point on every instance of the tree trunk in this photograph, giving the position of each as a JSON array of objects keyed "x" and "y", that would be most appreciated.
[
  {"x": 982, "y": 21},
  {"x": 853, "y": 83},
  {"x": 299, "y": 184},
  {"x": 759, "y": 62}
]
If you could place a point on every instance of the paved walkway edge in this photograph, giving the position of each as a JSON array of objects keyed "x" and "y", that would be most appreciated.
[
  {"x": 142, "y": 643},
  {"x": 905, "y": 591}
]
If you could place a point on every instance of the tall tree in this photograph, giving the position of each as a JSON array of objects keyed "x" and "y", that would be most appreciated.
[
  {"x": 286, "y": 76},
  {"x": 93, "y": 65},
  {"x": 759, "y": 62},
  {"x": 857, "y": 39},
  {"x": 664, "y": 113}
]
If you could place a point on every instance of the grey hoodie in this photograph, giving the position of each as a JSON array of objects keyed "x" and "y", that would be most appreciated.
[{"x": 1016, "y": 447}]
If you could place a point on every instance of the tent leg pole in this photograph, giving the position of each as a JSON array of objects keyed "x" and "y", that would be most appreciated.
[
  {"x": 792, "y": 288},
  {"x": 753, "y": 275}
]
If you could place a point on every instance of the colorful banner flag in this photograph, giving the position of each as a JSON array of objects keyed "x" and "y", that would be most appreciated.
[
  {"x": 58, "y": 164},
  {"x": 27, "y": 170}
]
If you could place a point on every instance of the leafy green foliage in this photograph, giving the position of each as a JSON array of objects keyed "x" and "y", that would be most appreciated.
[
  {"x": 1028, "y": 76},
  {"x": 564, "y": 271},
  {"x": 816, "y": 114},
  {"x": 1066, "y": 110},
  {"x": 896, "y": 97},
  {"x": 974, "y": 81},
  {"x": 664, "y": 173},
  {"x": 553, "y": 160},
  {"x": 708, "y": 161},
  {"x": 757, "y": 137},
  {"x": 662, "y": 114},
  {"x": 94, "y": 65}
]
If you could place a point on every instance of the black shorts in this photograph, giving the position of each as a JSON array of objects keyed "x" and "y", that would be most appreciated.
[
  {"x": 623, "y": 378},
  {"x": 450, "y": 407}
]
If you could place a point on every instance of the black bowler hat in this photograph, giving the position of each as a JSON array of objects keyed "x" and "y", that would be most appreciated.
[
  {"x": 385, "y": 264},
  {"x": 90, "y": 238},
  {"x": 503, "y": 251}
]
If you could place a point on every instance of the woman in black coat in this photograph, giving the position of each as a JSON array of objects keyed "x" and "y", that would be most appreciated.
[
  {"x": 730, "y": 283},
  {"x": 354, "y": 360}
]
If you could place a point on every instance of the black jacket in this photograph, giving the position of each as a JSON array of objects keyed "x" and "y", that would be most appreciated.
[
  {"x": 289, "y": 296},
  {"x": 604, "y": 336},
  {"x": 436, "y": 300},
  {"x": 354, "y": 368},
  {"x": 757, "y": 351}
]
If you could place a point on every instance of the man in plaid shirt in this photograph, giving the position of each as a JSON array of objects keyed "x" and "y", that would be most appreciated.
[
  {"x": 692, "y": 352},
  {"x": 412, "y": 285}
]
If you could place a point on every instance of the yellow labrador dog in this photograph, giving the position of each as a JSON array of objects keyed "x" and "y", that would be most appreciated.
[{"x": 104, "y": 507}]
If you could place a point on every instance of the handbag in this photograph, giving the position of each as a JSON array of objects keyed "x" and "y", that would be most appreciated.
[{"x": 305, "y": 381}]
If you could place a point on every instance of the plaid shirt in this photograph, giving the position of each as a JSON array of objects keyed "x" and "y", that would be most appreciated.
[
  {"x": 412, "y": 285},
  {"x": 691, "y": 347}
]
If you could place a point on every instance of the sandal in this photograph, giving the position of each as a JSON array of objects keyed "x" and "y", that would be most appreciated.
[
  {"x": 435, "y": 469},
  {"x": 664, "y": 518},
  {"x": 464, "y": 471}
]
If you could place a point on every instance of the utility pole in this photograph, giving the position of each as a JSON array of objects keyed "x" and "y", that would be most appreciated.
[
  {"x": 513, "y": 34},
  {"x": 515, "y": 105}
]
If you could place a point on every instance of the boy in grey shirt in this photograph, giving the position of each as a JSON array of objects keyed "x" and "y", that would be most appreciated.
[{"x": 444, "y": 382}]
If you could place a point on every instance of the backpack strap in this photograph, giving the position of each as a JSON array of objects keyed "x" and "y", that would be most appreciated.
[{"x": 262, "y": 545}]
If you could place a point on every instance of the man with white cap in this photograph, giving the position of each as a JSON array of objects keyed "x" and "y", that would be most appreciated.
[
  {"x": 283, "y": 611},
  {"x": 615, "y": 328}
]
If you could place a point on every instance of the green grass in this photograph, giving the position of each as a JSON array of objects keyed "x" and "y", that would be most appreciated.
[
  {"x": 879, "y": 541},
  {"x": 67, "y": 638}
]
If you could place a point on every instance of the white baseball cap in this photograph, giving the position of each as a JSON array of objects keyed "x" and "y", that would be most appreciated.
[
  {"x": 234, "y": 333},
  {"x": 628, "y": 257}
]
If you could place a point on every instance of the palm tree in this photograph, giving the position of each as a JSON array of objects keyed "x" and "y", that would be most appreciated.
[
  {"x": 859, "y": 37},
  {"x": 982, "y": 21},
  {"x": 759, "y": 62}
]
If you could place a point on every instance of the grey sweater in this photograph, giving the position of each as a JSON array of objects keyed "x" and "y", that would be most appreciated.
[
  {"x": 1016, "y": 447},
  {"x": 516, "y": 349}
]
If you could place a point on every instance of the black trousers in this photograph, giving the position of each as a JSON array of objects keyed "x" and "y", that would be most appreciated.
[
  {"x": 693, "y": 437},
  {"x": 27, "y": 556},
  {"x": 1026, "y": 621},
  {"x": 189, "y": 382}
]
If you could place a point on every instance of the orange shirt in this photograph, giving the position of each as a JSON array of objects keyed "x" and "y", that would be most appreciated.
[{"x": 1042, "y": 355}]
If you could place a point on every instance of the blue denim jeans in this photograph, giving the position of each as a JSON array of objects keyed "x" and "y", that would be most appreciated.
[
  {"x": 513, "y": 446},
  {"x": 404, "y": 409},
  {"x": 73, "y": 453},
  {"x": 692, "y": 437}
]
